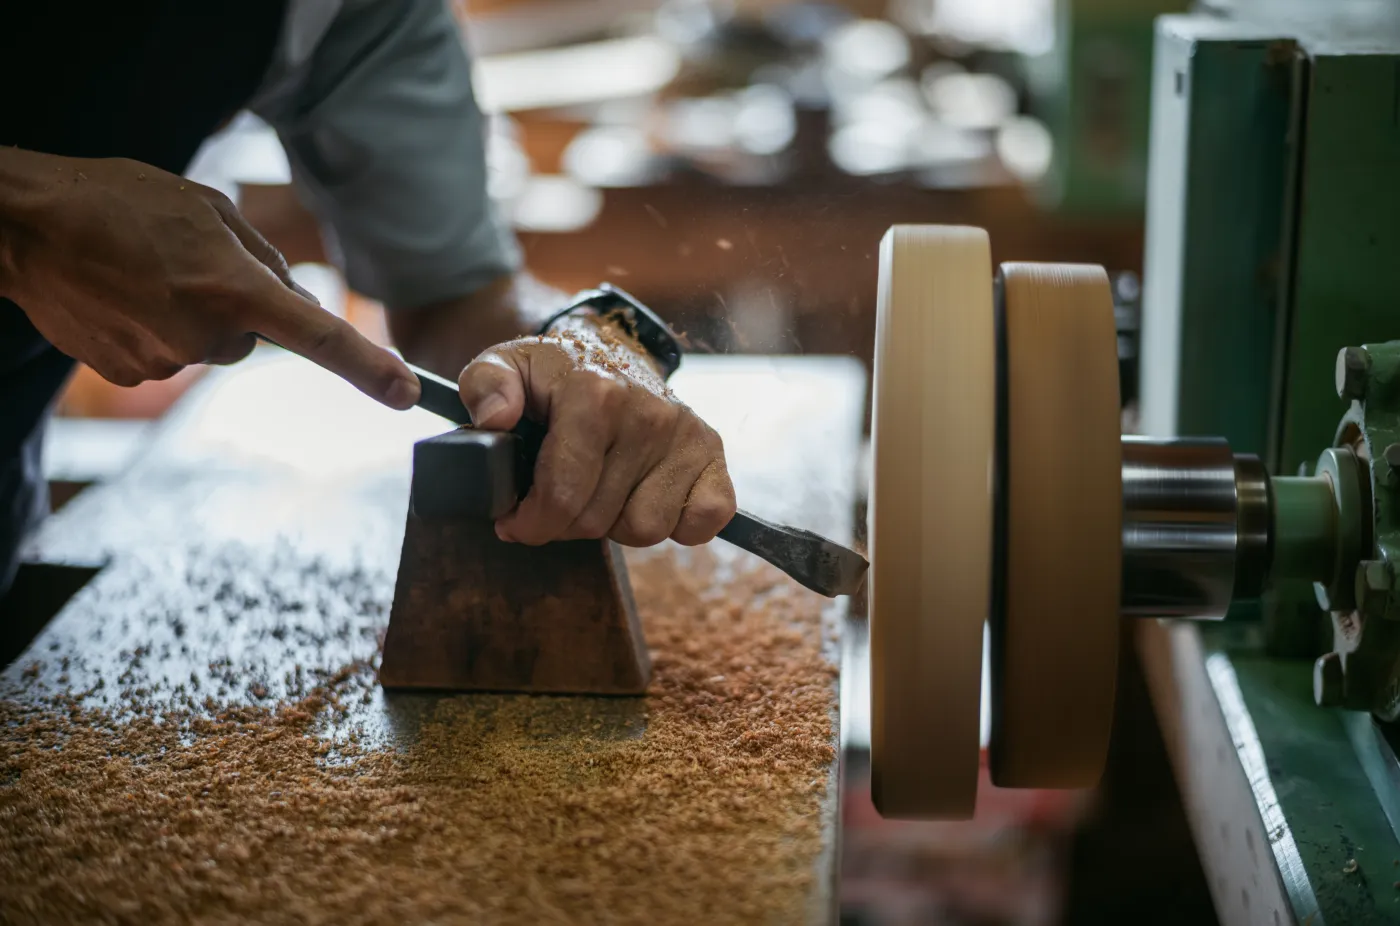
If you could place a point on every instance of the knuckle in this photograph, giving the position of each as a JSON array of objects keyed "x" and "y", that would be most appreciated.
[
  {"x": 713, "y": 442},
  {"x": 217, "y": 198},
  {"x": 120, "y": 374},
  {"x": 273, "y": 258},
  {"x": 592, "y": 527},
  {"x": 181, "y": 350},
  {"x": 694, "y": 432},
  {"x": 646, "y": 529},
  {"x": 221, "y": 297},
  {"x": 522, "y": 523},
  {"x": 184, "y": 355},
  {"x": 325, "y": 338},
  {"x": 472, "y": 374},
  {"x": 711, "y": 510},
  {"x": 232, "y": 350},
  {"x": 162, "y": 371},
  {"x": 595, "y": 390},
  {"x": 562, "y": 498},
  {"x": 514, "y": 346},
  {"x": 484, "y": 374},
  {"x": 656, "y": 416}
]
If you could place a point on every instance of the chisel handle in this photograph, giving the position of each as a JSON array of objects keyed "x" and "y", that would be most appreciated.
[{"x": 468, "y": 473}]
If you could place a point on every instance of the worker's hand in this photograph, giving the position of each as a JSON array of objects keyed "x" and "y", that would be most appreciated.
[
  {"x": 621, "y": 458},
  {"x": 138, "y": 273}
]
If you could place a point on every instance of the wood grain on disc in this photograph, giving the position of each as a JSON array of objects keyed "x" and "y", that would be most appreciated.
[
  {"x": 930, "y": 517},
  {"x": 1055, "y": 641}
]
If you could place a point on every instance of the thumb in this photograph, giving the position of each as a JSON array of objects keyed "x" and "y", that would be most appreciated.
[{"x": 493, "y": 390}]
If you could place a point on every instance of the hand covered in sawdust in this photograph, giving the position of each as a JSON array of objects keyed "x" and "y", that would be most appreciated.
[
  {"x": 138, "y": 273},
  {"x": 622, "y": 458}
]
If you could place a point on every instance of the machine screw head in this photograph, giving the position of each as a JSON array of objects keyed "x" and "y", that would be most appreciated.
[
  {"x": 1353, "y": 369},
  {"x": 1391, "y": 457},
  {"x": 1329, "y": 681},
  {"x": 1374, "y": 582}
]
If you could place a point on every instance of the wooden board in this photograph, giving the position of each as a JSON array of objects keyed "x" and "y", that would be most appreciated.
[{"x": 252, "y": 550}]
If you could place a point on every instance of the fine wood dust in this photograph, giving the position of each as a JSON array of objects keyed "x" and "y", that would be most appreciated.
[{"x": 236, "y": 814}]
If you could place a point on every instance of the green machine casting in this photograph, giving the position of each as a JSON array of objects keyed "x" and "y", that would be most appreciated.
[{"x": 1271, "y": 288}]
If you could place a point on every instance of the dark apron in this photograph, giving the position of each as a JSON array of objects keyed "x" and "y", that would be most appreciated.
[{"x": 145, "y": 79}]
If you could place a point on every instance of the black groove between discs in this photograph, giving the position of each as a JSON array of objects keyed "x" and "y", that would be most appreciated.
[{"x": 996, "y": 616}]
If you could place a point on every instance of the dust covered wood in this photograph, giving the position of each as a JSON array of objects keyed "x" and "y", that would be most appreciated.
[
  {"x": 199, "y": 735},
  {"x": 167, "y": 807}
]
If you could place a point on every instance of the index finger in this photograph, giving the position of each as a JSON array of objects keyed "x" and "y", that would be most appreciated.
[{"x": 333, "y": 343}]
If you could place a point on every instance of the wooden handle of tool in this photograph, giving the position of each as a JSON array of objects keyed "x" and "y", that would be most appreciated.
[{"x": 469, "y": 473}]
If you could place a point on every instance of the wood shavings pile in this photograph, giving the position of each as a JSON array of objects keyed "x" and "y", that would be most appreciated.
[{"x": 708, "y": 811}]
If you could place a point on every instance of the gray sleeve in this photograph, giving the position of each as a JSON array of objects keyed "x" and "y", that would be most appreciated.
[{"x": 387, "y": 147}]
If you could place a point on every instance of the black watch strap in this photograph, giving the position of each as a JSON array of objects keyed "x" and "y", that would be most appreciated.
[{"x": 640, "y": 322}]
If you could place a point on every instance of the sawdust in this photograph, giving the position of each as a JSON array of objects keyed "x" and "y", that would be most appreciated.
[
  {"x": 707, "y": 809},
  {"x": 601, "y": 344}
]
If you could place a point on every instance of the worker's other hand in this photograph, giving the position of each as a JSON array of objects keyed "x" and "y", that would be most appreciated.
[
  {"x": 138, "y": 273},
  {"x": 621, "y": 458}
]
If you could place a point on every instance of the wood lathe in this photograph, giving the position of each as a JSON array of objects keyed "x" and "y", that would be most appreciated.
[
  {"x": 1045, "y": 525},
  {"x": 243, "y": 571}
]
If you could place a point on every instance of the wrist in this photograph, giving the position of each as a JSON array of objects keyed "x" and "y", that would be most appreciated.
[
  {"x": 446, "y": 336},
  {"x": 20, "y": 193},
  {"x": 620, "y": 347},
  {"x": 627, "y": 324}
]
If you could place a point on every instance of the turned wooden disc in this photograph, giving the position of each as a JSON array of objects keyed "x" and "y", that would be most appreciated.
[
  {"x": 1054, "y": 636},
  {"x": 933, "y": 432}
]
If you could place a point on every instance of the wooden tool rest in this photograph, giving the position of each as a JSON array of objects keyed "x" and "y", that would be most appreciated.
[{"x": 474, "y": 613}]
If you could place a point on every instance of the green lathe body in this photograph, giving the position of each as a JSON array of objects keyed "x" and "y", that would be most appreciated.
[{"x": 1271, "y": 317}]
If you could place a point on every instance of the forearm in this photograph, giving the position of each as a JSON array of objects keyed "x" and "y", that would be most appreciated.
[{"x": 445, "y": 337}]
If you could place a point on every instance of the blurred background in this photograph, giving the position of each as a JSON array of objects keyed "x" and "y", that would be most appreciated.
[{"x": 734, "y": 165}]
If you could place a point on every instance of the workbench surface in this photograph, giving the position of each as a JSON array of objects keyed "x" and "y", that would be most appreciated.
[{"x": 249, "y": 556}]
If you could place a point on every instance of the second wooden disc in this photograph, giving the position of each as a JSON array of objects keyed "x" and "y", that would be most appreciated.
[{"x": 1054, "y": 629}]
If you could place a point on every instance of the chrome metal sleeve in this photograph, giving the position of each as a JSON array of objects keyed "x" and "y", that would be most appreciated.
[{"x": 1182, "y": 545}]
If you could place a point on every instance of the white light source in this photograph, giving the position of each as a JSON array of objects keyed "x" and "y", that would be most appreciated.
[
  {"x": 867, "y": 49},
  {"x": 578, "y": 74},
  {"x": 866, "y": 148},
  {"x": 507, "y": 164},
  {"x": 247, "y": 151},
  {"x": 765, "y": 122},
  {"x": 1025, "y": 147},
  {"x": 970, "y": 101},
  {"x": 894, "y": 103},
  {"x": 1023, "y": 26},
  {"x": 555, "y": 203},
  {"x": 939, "y": 145},
  {"x": 610, "y": 156},
  {"x": 702, "y": 124}
]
